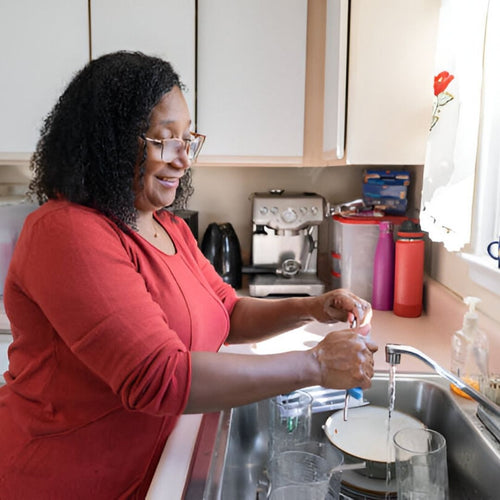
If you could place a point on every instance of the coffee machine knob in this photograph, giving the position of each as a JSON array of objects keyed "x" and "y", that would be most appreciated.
[{"x": 289, "y": 215}]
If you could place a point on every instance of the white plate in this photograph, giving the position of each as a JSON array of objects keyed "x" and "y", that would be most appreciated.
[{"x": 365, "y": 433}]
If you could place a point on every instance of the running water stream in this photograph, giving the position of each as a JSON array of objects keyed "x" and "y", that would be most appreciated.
[{"x": 392, "y": 399}]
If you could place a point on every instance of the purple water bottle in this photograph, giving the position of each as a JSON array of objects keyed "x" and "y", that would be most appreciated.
[{"x": 383, "y": 269}]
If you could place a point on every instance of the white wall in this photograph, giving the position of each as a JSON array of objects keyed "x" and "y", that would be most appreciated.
[{"x": 453, "y": 272}]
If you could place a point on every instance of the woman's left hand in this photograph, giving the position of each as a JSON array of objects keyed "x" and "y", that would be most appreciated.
[{"x": 343, "y": 305}]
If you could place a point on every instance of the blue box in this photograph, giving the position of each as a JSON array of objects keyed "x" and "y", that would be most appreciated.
[{"x": 387, "y": 189}]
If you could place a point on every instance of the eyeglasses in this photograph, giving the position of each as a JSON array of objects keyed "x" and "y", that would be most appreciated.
[{"x": 172, "y": 147}]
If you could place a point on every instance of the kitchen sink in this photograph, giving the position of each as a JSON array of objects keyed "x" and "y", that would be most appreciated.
[{"x": 238, "y": 453}]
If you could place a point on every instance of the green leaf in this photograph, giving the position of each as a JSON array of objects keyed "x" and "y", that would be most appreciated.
[{"x": 444, "y": 98}]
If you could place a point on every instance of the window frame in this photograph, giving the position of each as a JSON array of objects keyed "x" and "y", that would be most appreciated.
[{"x": 484, "y": 270}]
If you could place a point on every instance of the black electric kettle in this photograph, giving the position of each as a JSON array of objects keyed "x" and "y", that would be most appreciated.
[{"x": 221, "y": 247}]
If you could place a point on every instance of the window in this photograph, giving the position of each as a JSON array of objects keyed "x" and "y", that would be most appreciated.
[
  {"x": 486, "y": 215},
  {"x": 460, "y": 198}
]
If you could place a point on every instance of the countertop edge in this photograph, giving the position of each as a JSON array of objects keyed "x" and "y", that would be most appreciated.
[{"x": 172, "y": 471}]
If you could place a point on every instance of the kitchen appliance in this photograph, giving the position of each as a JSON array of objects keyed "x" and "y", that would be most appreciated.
[
  {"x": 221, "y": 247},
  {"x": 285, "y": 243},
  {"x": 12, "y": 216}
]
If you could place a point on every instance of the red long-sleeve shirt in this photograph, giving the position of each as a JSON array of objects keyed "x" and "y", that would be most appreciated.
[{"x": 99, "y": 368}]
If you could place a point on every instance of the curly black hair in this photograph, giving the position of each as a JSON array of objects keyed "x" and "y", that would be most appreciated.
[{"x": 88, "y": 149}]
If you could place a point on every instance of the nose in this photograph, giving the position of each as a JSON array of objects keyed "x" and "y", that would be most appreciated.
[{"x": 181, "y": 160}]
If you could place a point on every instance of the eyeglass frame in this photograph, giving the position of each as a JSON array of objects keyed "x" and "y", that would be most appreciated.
[{"x": 186, "y": 144}]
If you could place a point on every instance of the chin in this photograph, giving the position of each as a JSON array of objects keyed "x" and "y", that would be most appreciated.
[
  {"x": 159, "y": 202},
  {"x": 169, "y": 202}
]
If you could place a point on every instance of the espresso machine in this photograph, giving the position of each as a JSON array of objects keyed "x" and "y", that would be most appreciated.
[{"x": 285, "y": 243}]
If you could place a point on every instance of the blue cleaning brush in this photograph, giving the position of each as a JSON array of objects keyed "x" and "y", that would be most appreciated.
[{"x": 356, "y": 393}]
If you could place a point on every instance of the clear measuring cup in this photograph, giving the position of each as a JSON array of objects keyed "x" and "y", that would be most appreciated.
[
  {"x": 290, "y": 421},
  {"x": 305, "y": 472}
]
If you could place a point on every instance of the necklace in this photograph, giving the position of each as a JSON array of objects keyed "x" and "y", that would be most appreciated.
[{"x": 155, "y": 232}]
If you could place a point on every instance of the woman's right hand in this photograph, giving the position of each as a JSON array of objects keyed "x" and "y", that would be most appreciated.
[{"x": 345, "y": 359}]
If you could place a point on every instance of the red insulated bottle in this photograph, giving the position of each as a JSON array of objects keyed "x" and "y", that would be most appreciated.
[{"x": 409, "y": 270}]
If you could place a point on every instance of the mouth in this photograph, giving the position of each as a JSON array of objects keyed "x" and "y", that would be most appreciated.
[{"x": 168, "y": 182}]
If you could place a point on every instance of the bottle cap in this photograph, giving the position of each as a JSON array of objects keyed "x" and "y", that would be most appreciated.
[
  {"x": 471, "y": 302},
  {"x": 470, "y": 317},
  {"x": 385, "y": 226},
  {"x": 410, "y": 230}
]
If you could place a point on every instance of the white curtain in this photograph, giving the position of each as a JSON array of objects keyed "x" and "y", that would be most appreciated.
[
  {"x": 449, "y": 171},
  {"x": 487, "y": 204}
]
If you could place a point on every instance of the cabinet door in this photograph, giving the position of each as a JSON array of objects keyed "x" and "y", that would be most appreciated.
[
  {"x": 390, "y": 89},
  {"x": 251, "y": 79},
  {"x": 162, "y": 28},
  {"x": 43, "y": 45},
  {"x": 336, "y": 42}
]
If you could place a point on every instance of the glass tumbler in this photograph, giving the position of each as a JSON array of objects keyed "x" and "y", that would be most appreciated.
[{"x": 421, "y": 468}]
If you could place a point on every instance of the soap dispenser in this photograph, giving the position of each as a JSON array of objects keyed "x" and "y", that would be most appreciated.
[{"x": 469, "y": 358}]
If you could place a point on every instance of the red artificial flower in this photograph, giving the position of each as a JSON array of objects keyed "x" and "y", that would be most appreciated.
[{"x": 441, "y": 82}]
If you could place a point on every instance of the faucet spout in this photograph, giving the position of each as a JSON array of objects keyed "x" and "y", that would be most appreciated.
[{"x": 393, "y": 354}]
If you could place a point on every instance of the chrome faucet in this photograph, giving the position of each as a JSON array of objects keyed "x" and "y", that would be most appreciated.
[{"x": 393, "y": 357}]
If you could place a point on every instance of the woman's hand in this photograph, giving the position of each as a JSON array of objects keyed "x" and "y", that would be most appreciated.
[
  {"x": 345, "y": 359},
  {"x": 342, "y": 305}
]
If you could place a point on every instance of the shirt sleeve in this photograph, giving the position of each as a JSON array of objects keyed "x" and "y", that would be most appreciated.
[{"x": 78, "y": 272}]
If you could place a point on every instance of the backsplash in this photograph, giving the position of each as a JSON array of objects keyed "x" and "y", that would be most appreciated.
[{"x": 222, "y": 194}]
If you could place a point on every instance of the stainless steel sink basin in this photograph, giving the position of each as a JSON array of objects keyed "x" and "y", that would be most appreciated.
[{"x": 238, "y": 452}]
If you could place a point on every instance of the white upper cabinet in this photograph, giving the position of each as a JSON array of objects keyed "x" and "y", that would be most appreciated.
[
  {"x": 251, "y": 80},
  {"x": 264, "y": 79},
  {"x": 390, "y": 84},
  {"x": 335, "y": 62},
  {"x": 162, "y": 28},
  {"x": 42, "y": 45}
]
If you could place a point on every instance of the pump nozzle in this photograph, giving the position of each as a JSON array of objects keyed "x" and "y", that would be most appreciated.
[
  {"x": 470, "y": 317},
  {"x": 472, "y": 302}
]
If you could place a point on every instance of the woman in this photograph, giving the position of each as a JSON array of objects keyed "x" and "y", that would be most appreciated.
[{"x": 116, "y": 315}]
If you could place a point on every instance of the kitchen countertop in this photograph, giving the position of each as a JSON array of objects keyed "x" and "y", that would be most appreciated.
[{"x": 431, "y": 333}]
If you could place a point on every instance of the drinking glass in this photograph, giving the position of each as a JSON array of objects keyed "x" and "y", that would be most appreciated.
[{"x": 421, "y": 468}]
